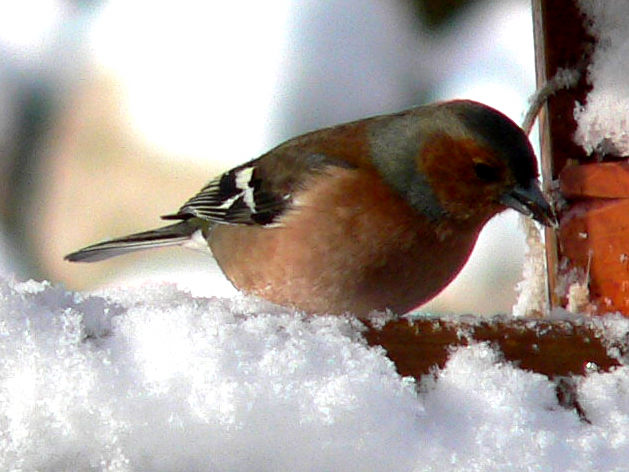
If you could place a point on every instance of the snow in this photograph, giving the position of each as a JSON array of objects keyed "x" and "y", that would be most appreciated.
[
  {"x": 532, "y": 292},
  {"x": 603, "y": 124},
  {"x": 156, "y": 379}
]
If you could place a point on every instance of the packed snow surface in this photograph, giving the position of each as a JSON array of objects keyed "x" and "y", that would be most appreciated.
[{"x": 155, "y": 379}]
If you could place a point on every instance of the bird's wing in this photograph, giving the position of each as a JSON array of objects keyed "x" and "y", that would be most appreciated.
[{"x": 258, "y": 192}]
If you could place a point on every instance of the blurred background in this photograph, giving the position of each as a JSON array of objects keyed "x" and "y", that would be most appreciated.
[{"x": 114, "y": 112}]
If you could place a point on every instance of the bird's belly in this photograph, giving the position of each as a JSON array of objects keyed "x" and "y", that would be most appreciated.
[{"x": 345, "y": 249}]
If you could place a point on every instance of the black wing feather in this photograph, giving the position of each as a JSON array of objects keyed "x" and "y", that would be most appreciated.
[{"x": 255, "y": 193}]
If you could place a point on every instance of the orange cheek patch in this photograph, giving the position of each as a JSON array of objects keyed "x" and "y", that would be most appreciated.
[{"x": 448, "y": 165}]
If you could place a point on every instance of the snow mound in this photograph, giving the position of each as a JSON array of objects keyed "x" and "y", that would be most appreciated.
[
  {"x": 154, "y": 379},
  {"x": 603, "y": 122}
]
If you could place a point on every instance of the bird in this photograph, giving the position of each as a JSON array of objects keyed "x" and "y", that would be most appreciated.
[{"x": 367, "y": 216}]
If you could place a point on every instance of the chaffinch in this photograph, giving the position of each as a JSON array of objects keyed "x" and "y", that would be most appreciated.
[{"x": 380, "y": 213}]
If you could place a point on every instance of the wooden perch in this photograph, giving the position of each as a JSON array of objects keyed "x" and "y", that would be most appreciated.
[
  {"x": 558, "y": 349},
  {"x": 552, "y": 348}
]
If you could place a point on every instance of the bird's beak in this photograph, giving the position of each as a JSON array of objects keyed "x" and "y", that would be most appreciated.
[{"x": 530, "y": 201}]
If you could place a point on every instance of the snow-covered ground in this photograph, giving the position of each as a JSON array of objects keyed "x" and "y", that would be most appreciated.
[{"x": 154, "y": 379}]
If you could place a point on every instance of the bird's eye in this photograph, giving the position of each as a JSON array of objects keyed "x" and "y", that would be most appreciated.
[{"x": 486, "y": 172}]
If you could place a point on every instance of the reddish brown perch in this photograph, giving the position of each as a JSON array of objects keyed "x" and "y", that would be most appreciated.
[
  {"x": 557, "y": 349},
  {"x": 552, "y": 348}
]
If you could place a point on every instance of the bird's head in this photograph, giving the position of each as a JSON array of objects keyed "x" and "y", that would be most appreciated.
[{"x": 476, "y": 162}]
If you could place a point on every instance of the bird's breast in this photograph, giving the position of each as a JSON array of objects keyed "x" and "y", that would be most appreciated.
[{"x": 349, "y": 244}]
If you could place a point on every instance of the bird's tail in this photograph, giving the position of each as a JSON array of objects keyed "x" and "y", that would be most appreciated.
[{"x": 171, "y": 235}]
